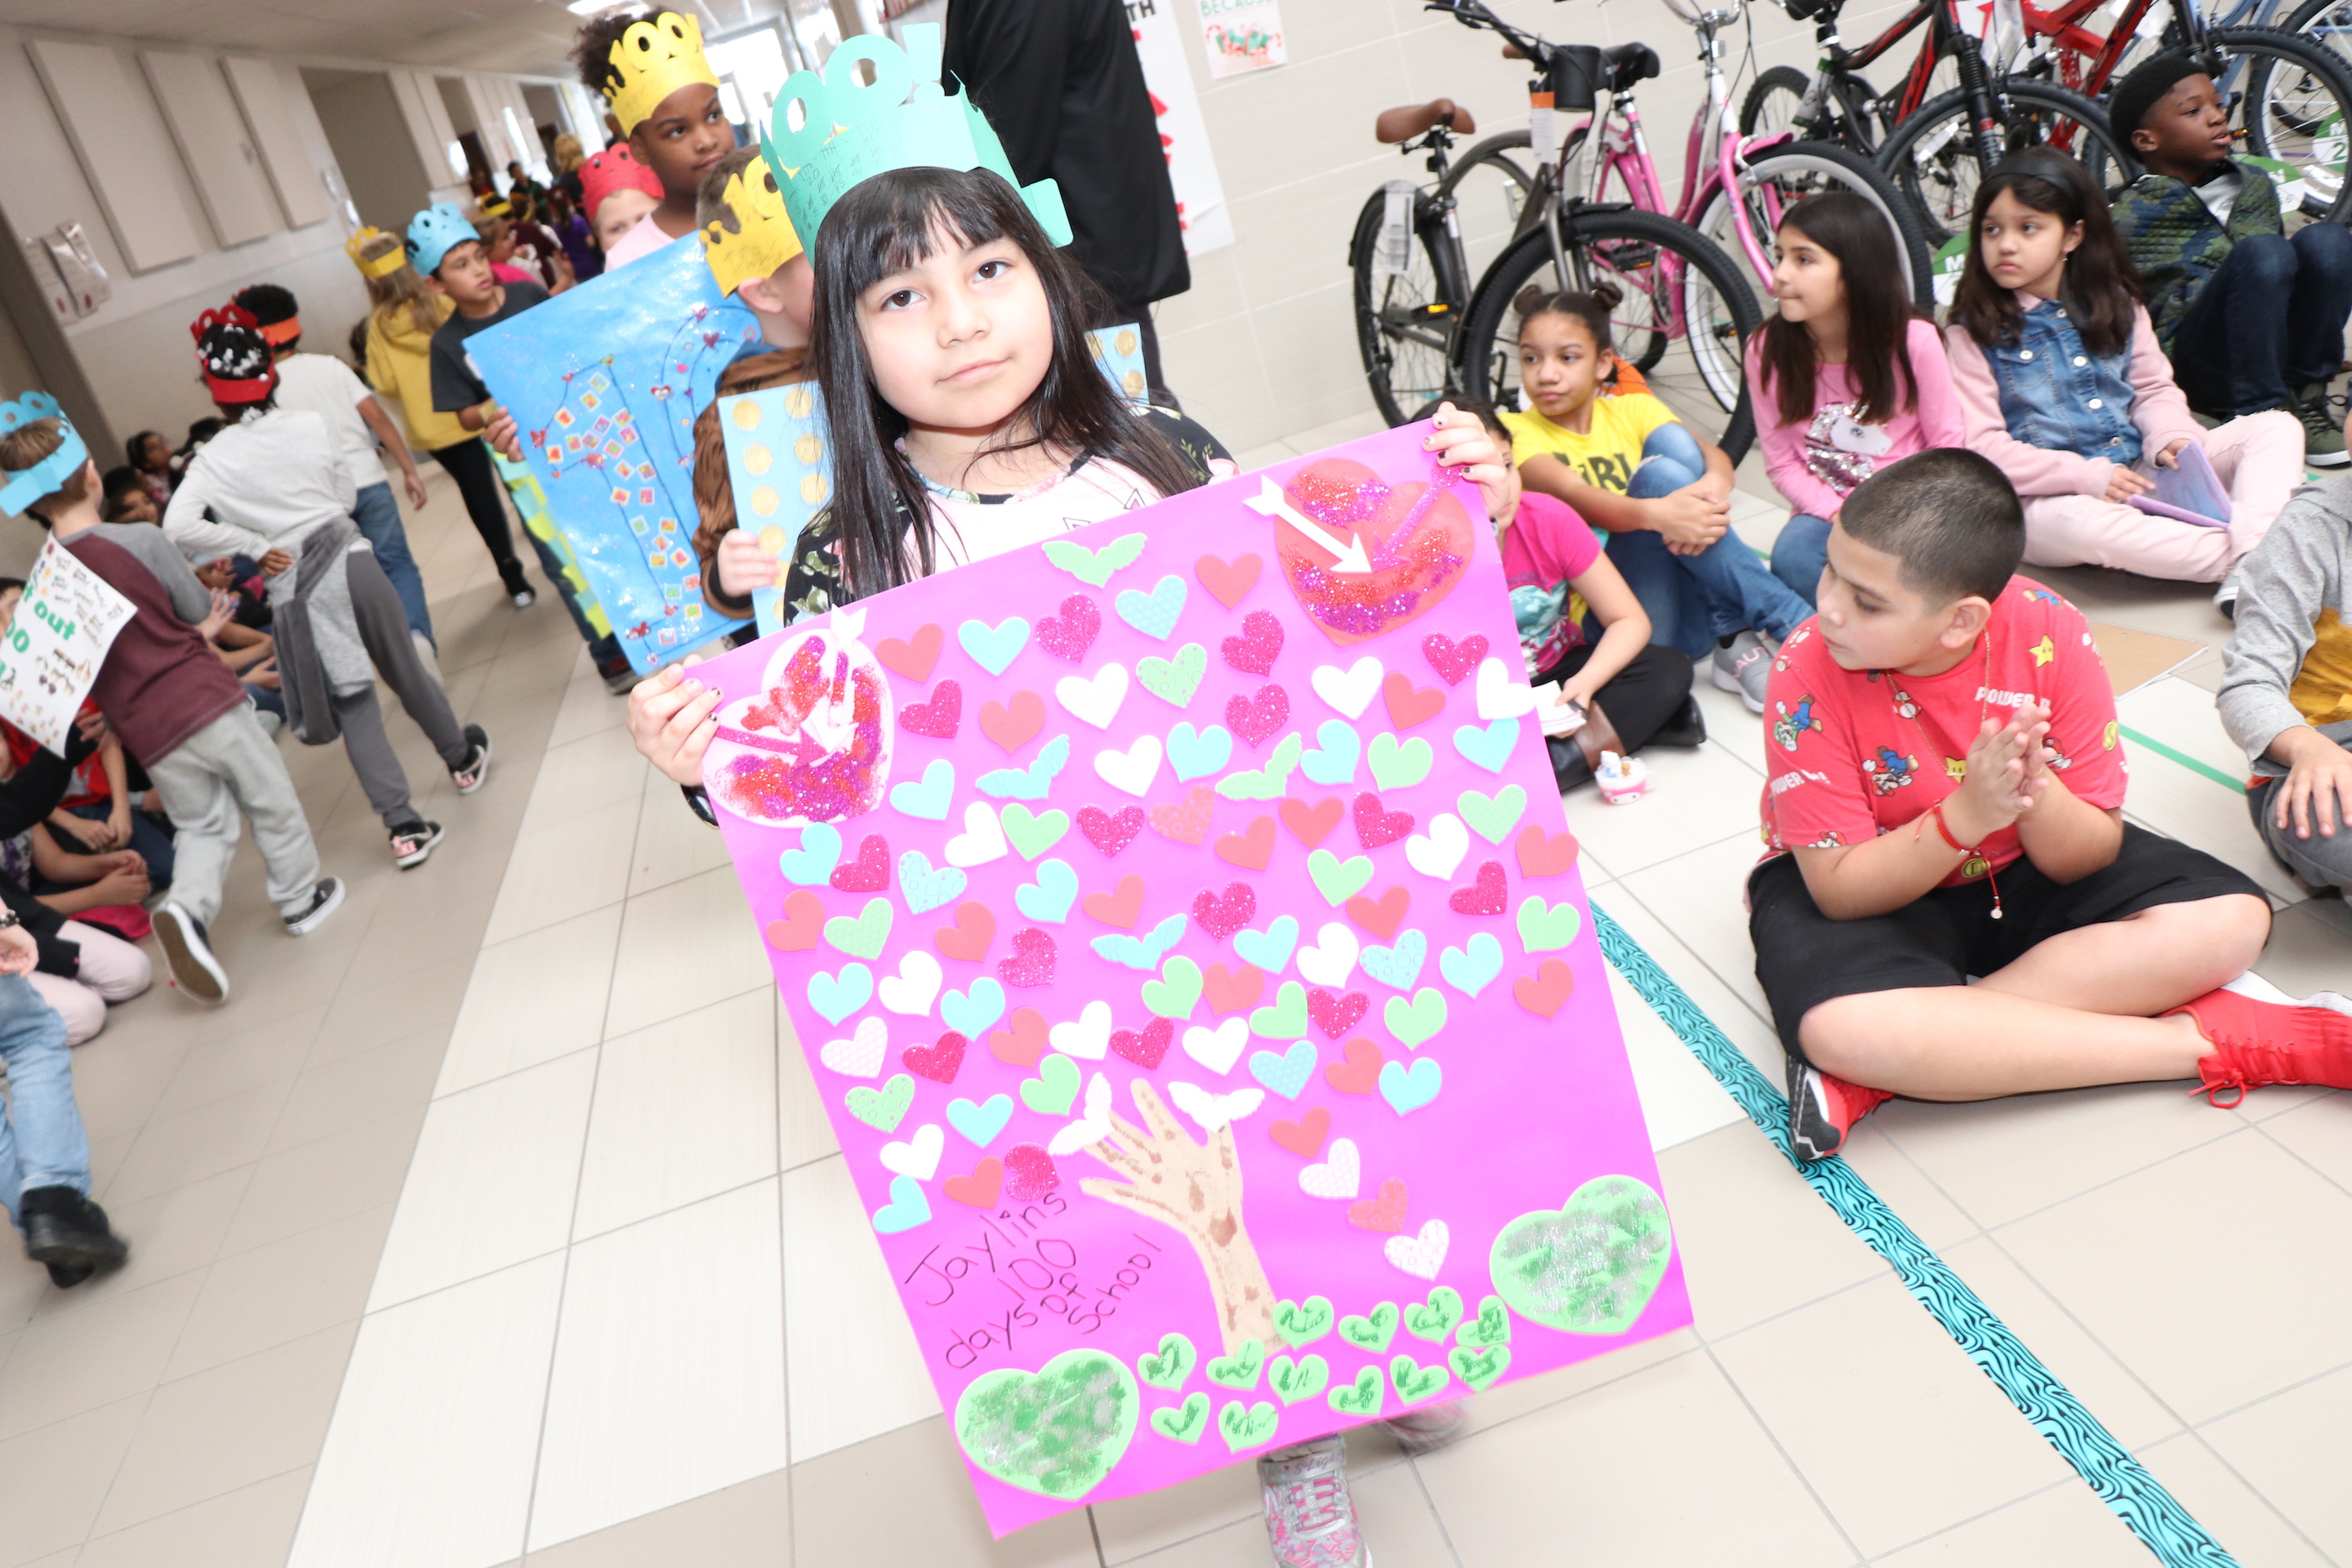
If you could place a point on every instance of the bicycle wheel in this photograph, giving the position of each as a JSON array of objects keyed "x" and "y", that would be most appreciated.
[
  {"x": 1932, "y": 157},
  {"x": 1774, "y": 98},
  {"x": 1678, "y": 289},
  {"x": 1404, "y": 320},
  {"x": 2327, "y": 23},
  {"x": 2291, "y": 99},
  {"x": 1779, "y": 177},
  {"x": 1489, "y": 187}
]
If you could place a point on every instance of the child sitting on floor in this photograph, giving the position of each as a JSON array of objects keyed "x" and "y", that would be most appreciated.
[
  {"x": 2066, "y": 389},
  {"x": 1944, "y": 799}
]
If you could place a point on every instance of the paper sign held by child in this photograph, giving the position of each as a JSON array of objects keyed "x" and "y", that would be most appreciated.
[
  {"x": 50, "y": 656},
  {"x": 1192, "y": 955},
  {"x": 2191, "y": 492}
]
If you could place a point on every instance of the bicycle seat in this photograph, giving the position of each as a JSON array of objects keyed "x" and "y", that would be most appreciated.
[
  {"x": 1630, "y": 63},
  {"x": 1412, "y": 119}
]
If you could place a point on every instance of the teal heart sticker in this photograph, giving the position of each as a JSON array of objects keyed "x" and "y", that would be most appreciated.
[
  {"x": 980, "y": 1123},
  {"x": 1371, "y": 1331},
  {"x": 1407, "y": 1090},
  {"x": 1032, "y": 835},
  {"x": 1197, "y": 755},
  {"x": 1247, "y": 1427},
  {"x": 1491, "y": 817},
  {"x": 1397, "y": 965},
  {"x": 1030, "y": 782},
  {"x": 1473, "y": 966},
  {"x": 882, "y": 1108},
  {"x": 1287, "y": 1073},
  {"x": 970, "y": 1012},
  {"x": 1056, "y": 1431},
  {"x": 1140, "y": 951},
  {"x": 1174, "y": 681},
  {"x": 994, "y": 648},
  {"x": 1548, "y": 928},
  {"x": 1490, "y": 748},
  {"x": 1153, "y": 614},
  {"x": 863, "y": 937},
  {"x": 906, "y": 1208},
  {"x": 836, "y": 996},
  {"x": 1183, "y": 1423},
  {"x": 1270, "y": 948},
  {"x": 1171, "y": 1364},
  {"x": 928, "y": 798},
  {"x": 1591, "y": 1265},
  {"x": 926, "y": 887},
  {"x": 1339, "y": 750},
  {"x": 1049, "y": 898},
  {"x": 1417, "y": 1022},
  {"x": 1400, "y": 765},
  {"x": 811, "y": 865}
]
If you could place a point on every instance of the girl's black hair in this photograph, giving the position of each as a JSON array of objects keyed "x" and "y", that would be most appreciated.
[
  {"x": 886, "y": 225},
  {"x": 132, "y": 446},
  {"x": 1592, "y": 307},
  {"x": 592, "y": 47},
  {"x": 1878, "y": 314},
  {"x": 2099, "y": 285}
]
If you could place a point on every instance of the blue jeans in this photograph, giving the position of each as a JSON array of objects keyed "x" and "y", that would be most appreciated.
[
  {"x": 1802, "y": 554},
  {"x": 378, "y": 516},
  {"x": 2271, "y": 318},
  {"x": 1692, "y": 600},
  {"x": 42, "y": 1142}
]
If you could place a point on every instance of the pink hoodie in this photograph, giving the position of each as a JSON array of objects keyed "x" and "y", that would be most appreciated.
[
  {"x": 2157, "y": 408},
  {"x": 1816, "y": 465}
]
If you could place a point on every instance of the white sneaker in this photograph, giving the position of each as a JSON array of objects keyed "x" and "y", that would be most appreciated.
[
  {"x": 194, "y": 970},
  {"x": 1745, "y": 666},
  {"x": 1310, "y": 1521}
]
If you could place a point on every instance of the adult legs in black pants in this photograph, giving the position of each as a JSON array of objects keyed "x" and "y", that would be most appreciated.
[
  {"x": 468, "y": 463},
  {"x": 2267, "y": 330},
  {"x": 1644, "y": 701}
]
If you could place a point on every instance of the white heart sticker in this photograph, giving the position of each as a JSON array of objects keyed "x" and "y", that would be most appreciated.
[
  {"x": 983, "y": 838},
  {"x": 1096, "y": 702},
  {"x": 1219, "y": 1048},
  {"x": 1133, "y": 770},
  {"x": 919, "y": 1156},
  {"x": 860, "y": 1055},
  {"x": 1340, "y": 1174},
  {"x": 1420, "y": 1256},
  {"x": 1091, "y": 1128},
  {"x": 1332, "y": 958},
  {"x": 1350, "y": 691},
  {"x": 1087, "y": 1037},
  {"x": 1502, "y": 694},
  {"x": 1433, "y": 853},
  {"x": 912, "y": 989}
]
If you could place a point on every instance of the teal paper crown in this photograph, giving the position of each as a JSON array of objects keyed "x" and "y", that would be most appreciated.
[
  {"x": 850, "y": 131},
  {"x": 26, "y": 486},
  {"x": 434, "y": 233}
]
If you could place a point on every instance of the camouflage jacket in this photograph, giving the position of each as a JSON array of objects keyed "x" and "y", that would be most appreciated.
[{"x": 2176, "y": 244}]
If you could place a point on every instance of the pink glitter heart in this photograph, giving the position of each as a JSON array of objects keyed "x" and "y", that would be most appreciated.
[
  {"x": 1071, "y": 633},
  {"x": 1484, "y": 897},
  {"x": 1109, "y": 833},
  {"x": 1144, "y": 1047},
  {"x": 1029, "y": 1174},
  {"x": 1255, "y": 719},
  {"x": 1030, "y": 961},
  {"x": 1454, "y": 660},
  {"x": 1336, "y": 1015},
  {"x": 1222, "y": 915},
  {"x": 939, "y": 717},
  {"x": 870, "y": 872},
  {"x": 939, "y": 1063},
  {"x": 1185, "y": 821},
  {"x": 1255, "y": 650},
  {"x": 1375, "y": 827}
]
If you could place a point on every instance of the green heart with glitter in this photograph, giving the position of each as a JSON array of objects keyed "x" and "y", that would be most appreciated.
[
  {"x": 1247, "y": 1426},
  {"x": 1056, "y": 1431},
  {"x": 1176, "y": 992},
  {"x": 1492, "y": 1326},
  {"x": 1033, "y": 834},
  {"x": 1293, "y": 1381},
  {"x": 1414, "y": 1381},
  {"x": 1372, "y": 1332},
  {"x": 1302, "y": 1322},
  {"x": 1590, "y": 1267},
  {"x": 1360, "y": 1398},
  {"x": 1434, "y": 1319},
  {"x": 1491, "y": 817},
  {"x": 1052, "y": 1092},
  {"x": 882, "y": 1108},
  {"x": 1183, "y": 1423},
  {"x": 1174, "y": 681},
  {"x": 1479, "y": 1366},
  {"x": 1239, "y": 1370},
  {"x": 1171, "y": 1364}
]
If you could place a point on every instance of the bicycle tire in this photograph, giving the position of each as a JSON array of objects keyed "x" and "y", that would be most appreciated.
[
  {"x": 2030, "y": 114},
  {"x": 2327, "y": 23},
  {"x": 1405, "y": 373},
  {"x": 1850, "y": 172},
  {"x": 1789, "y": 82},
  {"x": 2306, "y": 132},
  {"x": 1621, "y": 243}
]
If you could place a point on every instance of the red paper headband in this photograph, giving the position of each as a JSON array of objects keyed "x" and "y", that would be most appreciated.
[
  {"x": 613, "y": 170},
  {"x": 229, "y": 318}
]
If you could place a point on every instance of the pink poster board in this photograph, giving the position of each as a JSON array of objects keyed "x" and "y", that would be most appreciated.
[{"x": 1189, "y": 947}]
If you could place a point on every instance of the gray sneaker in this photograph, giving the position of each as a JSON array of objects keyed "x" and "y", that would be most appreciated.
[
  {"x": 2225, "y": 597},
  {"x": 2322, "y": 433},
  {"x": 1745, "y": 666},
  {"x": 1309, "y": 1520}
]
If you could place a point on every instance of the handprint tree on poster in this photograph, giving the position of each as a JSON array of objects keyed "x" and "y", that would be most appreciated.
[{"x": 1196, "y": 970}]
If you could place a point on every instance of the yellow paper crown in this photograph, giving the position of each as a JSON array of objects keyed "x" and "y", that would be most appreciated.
[
  {"x": 764, "y": 238},
  {"x": 653, "y": 60},
  {"x": 383, "y": 266}
]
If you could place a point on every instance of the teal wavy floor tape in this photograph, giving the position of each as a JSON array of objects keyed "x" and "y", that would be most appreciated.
[{"x": 2135, "y": 1496}]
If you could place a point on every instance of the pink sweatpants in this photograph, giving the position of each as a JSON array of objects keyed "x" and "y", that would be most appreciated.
[
  {"x": 2259, "y": 457},
  {"x": 112, "y": 969}
]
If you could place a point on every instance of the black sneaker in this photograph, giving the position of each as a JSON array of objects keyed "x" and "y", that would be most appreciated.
[
  {"x": 194, "y": 970},
  {"x": 517, "y": 587},
  {"x": 411, "y": 845},
  {"x": 1687, "y": 730},
  {"x": 68, "y": 1232},
  {"x": 325, "y": 899},
  {"x": 620, "y": 677},
  {"x": 476, "y": 770}
]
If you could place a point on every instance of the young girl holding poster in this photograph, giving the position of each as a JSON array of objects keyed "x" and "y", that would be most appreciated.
[{"x": 969, "y": 420}]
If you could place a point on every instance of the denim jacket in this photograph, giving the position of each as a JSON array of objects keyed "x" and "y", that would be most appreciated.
[{"x": 2057, "y": 395}]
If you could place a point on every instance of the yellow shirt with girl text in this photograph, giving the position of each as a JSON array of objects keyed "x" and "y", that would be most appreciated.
[{"x": 1606, "y": 457}]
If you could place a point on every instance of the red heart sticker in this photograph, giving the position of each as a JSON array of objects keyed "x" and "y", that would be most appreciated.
[
  {"x": 1024, "y": 1039},
  {"x": 979, "y": 1189},
  {"x": 1251, "y": 848},
  {"x": 1484, "y": 897},
  {"x": 1410, "y": 704},
  {"x": 1030, "y": 961},
  {"x": 1311, "y": 824},
  {"x": 1385, "y": 1212},
  {"x": 1146, "y": 1046},
  {"x": 1375, "y": 827},
  {"x": 1235, "y": 993},
  {"x": 1222, "y": 915},
  {"x": 1336, "y": 1015},
  {"x": 940, "y": 1063},
  {"x": 1255, "y": 718},
  {"x": 914, "y": 657},
  {"x": 1547, "y": 990},
  {"x": 1121, "y": 905},
  {"x": 967, "y": 939},
  {"x": 1360, "y": 1073},
  {"x": 1382, "y": 555},
  {"x": 1110, "y": 832},
  {"x": 1069, "y": 634},
  {"x": 1379, "y": 916},
  {"x": 1545, "y": 855},
  {"x": 1304, "y": 1136},
  {"x": 1254, "y": 650},
  {"x": 870, "y": 872},
  {"x": 803, "y": 923},
  {"x": 1452, "y": 659},
  {"x": 1029, "y": 1172},
  {"x": 1015, "y": 725},
  {"x": 937, "y": 717},
  {"x": 1228, "y": 579}
]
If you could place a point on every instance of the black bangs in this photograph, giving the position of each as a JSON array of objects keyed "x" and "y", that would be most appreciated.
[{"x": 890, "y": 224}]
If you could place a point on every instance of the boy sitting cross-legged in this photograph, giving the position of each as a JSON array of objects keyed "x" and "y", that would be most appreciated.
[{"x": 1943, "y": 800}]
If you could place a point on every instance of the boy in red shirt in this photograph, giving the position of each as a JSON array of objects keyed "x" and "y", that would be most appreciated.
[{"x": 1944, "y": 799}]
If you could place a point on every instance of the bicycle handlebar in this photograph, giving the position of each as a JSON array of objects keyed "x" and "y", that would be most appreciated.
[{"x": 1476, "y": 14}]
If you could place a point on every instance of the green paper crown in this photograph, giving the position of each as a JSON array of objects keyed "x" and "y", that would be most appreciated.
[{"x": 850, "y": 131}]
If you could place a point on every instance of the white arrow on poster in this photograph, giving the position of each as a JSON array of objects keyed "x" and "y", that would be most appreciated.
[
  {"x": 1183, "y": 136},
  {"x": 50, "y": 655}
]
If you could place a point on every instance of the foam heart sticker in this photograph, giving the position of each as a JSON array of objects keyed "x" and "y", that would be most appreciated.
[
  {"x": 1491, "y": 747},
  {"x": 926, "y": 798},
  {"x": 1311, "y": 824},
  {"x": 1032, "y": 834},
  {"x": 1171, "y": 1364},
  {"x": 1545, "y": 855},
  {"x": 1029, "y": 1172},
  {"x": 1492, "y": 1326},
  {"x": 1548, "y": 928},
  {"x": 1110, "y": 832},
  {"x": 1590, "y": 1267},
  {"x": 936, "y": 719},
  {"x": 1022, "y": 1041},
  {"x": 1093, "y": 566},
  {"x": 1417, "y": 1022},
  {"x": 882, "y": 1108},
  {"x": 1286, "y": 1073},
  {"x": 836, "y": 997},
  {"x": 1303, "y": 1323},
  {"x": 1371, "y": 1331},
  {"x": 1420, "y": 1256},
  {"x": 1400, "y": 765},
  {"x": 979, "y": 1189},
  {"x": 870, "y": 872},
  {"x": 1383, "y": 1212},
  {"x": 1504, "y": 693},
  {"x": 1452, "y": 659},
  {"x": 1362, "y": 1397},
  {"x": 1269, "y": 781},
  {"x": 1382, "y": 915},
  {"x": 1120, "y": 907},
  {"x": 912, "y": 990},
  {"x": 1304, "y": 1136},
  {"x": 1251, "y": 848},
  {"x": 1491, "y": 817},
  {"x": 1217, "y": 1049},
  {"x": 994, "y": 648},
  {"x": 1248, "y": 1428},
  {"x": 1033, "y": 782},
  {"x": 1174, "y": 681},
  {"x": 811, "y": 865},
  {"x": 1186, "y": 821},
  {"x": 1398, "y": 965},
  {"x": 1270, "y": 948},
  {"x": 1334, "y": 1013},
  {"x": 1130, "y": 771},
  {"x": 1479, "y": 1367},
  {"x": 919, "y": 1156},
  {"x": 1350, "y": 691},
  {"x": 1437, "y": 853},
  {"x": 1014, "y": 724},
  {"x": 1195, "y": 755},
  {"x": 1547, "y": 990},
  {"x": 1256, "y": 717},
  {"x": 925, "y": 887},
  {"x": 1177, "y": 989},
  {"x": 1338, "y": 1176},
  {"x": 1144, "y": 1047},
  {"x": 1031, "y": 963},
  {"x": 980, "y": 1123},
  {"x": 1338, "y": 880},
  {"x": 1472, "y": 966},
  {"x": 860, "y": 1055},
  {"x": 1234, "y": 991},
  {"x": 1410, "y": 704},
  {"x": 1153, "y": 614},
  {"x": 906, "y": 1208},
  {"x": 1056, "y": 1431},
  {"x": 1360, "y": 1072},
  {"x": 1183, "y": 1423},
  {"x": 1302, "y": 1379},
  {"x": 1094, "y": 700},
  {"x": 1222, "y": 915},
  {"x": 1049, "y": 898},
  {"x": 1069, "y": 633},
  {"x": 913, "y": 657},
  {"x": 1407, "y": 1090},
  {"x": 1240, "y": 1369},
  {"x": 1087, "y": 1036},
  {"x": 1141, "y": 951},
  {"x": 803, "y": 924},
  {"x": 1332, "y": 958},
  {"x": 1051, "y": 1093},
  {"x": 969, "y": 1013},
  {"x": 1228, "y": 581},
  {"x": 1414, "y": 1381},
  {"x": 1376, "y": 827},
  {"x": 938, "y": 1062},
  {"x": 1485, "y": 896},
  {"x": 1256, "y": 647},
  {"x": 1380, "y": 555},
  {"x": 1337, "y": 750},
  {"x": 1286, "y": 1018}
]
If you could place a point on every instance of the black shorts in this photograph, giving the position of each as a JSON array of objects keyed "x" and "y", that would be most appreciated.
[{"x": 1804, "y": 958}]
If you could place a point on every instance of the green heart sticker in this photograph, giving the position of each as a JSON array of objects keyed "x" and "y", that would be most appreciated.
[
  {"x": 1239, "y": 1370},
  {"x": 1414, "y": 1381},
  {"x": 1174, "y": 681},
  {"x": 1183, "y": 1423},
  {"x": 864, "y": 936},
  {"x": 1302, "y": 1322},
  {"x": 1544, "y": 927},
  {"x": 1415, "y": 1022},
  {"x": 1033, "y": 834},
  {"x": 1360, "y": 1398},
  {"x": 1492, "y": 1326},
  {"x": 1272, "y": 781},
  {"x": 1177, "y": 991},
  {"x": 1373, "y": 1331},
  {"x": 1338, "y": 880},
  {"x": 1247, "y": 1427},
  {"x": 1287, "y": 1019},
  {"x": 1399, "y": 765},
  {"x": 1169, "y": 1366},
  {"x": 1094, "y": 567},
  {"x": 1051, "y": 1093},
  {"x": 1479, "y": 1367},
  {"x": 1434, "y": 1319},
  {"x": 1491, "y": 817},
  {"x": 1293, "y": 1381},
  {"x": 883, "y": 1109},
  {"x": 1057, "y": 1430},
  {"x": 1591, "y": 1267}
]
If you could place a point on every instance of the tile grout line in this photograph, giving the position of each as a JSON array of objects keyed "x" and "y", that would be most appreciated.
[{"x": 1796, "y": 1469}]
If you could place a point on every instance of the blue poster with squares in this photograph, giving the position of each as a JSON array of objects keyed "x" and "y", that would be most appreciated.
[{"x": 605, "y": 381}]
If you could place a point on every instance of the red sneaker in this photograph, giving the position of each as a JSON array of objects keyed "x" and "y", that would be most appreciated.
[
  {"x": 2262, "y": 1036},
  {"x": 1822, "y": 1110}
]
